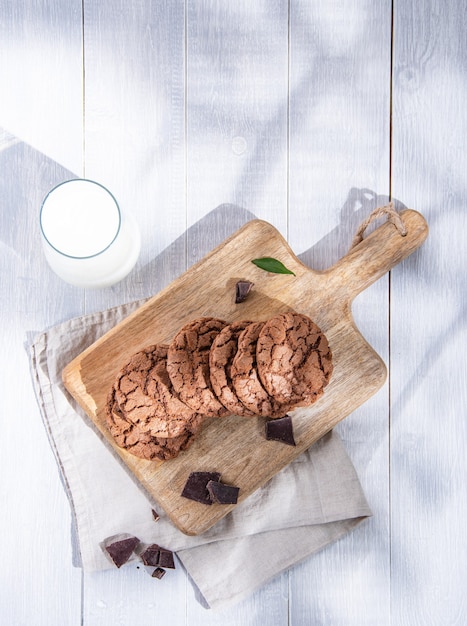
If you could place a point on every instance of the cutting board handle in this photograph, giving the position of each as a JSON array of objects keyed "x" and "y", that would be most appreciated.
[{"x": 379, "y": 252}]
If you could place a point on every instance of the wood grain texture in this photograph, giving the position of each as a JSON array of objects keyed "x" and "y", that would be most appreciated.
[
  {"x": 236, "y": 148},
  {"x": 201, "y": 116},
  {"x": 339, "y": 156},
  {"x": 428, "y": 382},
  {"x": 233, "y": 446},
  {"x": 36, "y": 84},
  {"x": 135, "y": 144},
  {"x": 237, "y": 85},
  {"x": 42, "y": 90},
  {"x": 135, "y": 131}
]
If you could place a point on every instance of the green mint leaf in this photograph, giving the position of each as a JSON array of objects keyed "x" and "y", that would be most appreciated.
[{"x": 274, "y": 266}]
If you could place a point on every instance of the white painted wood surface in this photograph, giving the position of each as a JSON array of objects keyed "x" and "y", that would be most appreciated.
[
  {"x": 428, "y": 392},
  {"x": 199, "y": 116}
]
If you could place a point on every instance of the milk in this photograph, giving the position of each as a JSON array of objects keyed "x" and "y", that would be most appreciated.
[{"x": 87, "y": 240}]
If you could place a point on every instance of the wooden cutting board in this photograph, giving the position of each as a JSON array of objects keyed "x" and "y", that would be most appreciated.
[{"x": 234, "y": 446}]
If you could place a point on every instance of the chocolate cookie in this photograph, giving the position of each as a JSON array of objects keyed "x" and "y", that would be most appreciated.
[
  {"x": 221, "y": 356},
  {"x": 188, "y": 365},
  {"x": 160, "y": 387},
  {"x": 139, "y": 442},
  {"x": 245, "y": 379},
  {"x": 294, "y": 359},
  {"x": 145, "y": 396}
]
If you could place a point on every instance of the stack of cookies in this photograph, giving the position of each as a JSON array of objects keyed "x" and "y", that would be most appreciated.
[{"x": 160, "y": 399}]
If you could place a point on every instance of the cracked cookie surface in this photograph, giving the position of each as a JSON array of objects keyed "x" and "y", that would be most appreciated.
[
  {"x": 294, "y": 359},
  {"x": 188, "y": 365},
  {"x": 221, "y": 356},
  {"x": 245, "y": 379},
  {"x": 146, "y": 398},
  {"x": 139, "y": 442}
]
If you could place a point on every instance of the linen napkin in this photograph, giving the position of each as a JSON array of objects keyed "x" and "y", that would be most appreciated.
[{"x": 312, "y": 502}]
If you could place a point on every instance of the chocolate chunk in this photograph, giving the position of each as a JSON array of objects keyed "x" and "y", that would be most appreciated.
[
  {"x": 221, "y": 493},
  {"x": 155, "y": 515},
  {"x": 196, "y": 486},
  {"x": 156, "y": 556},
  {"x": 242, "y": 289},
  {"x": 120, "y": 551},
  {"x": 166, "y": 558},
  {"x": 151, "y": 555},
  {"x": 280, "y": 429},
  {"x": 158, "y": 573}
]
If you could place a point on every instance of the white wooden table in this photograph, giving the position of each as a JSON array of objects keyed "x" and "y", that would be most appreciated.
[{"x": 199, "y": 115}]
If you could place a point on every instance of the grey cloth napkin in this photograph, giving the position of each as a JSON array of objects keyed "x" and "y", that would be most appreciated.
[{"x": 312, "y": 502}]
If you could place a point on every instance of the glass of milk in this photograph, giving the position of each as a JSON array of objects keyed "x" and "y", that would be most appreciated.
[{"x": 87, "y": 240}]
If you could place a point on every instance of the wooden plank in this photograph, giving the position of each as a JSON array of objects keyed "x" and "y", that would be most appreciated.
[
  {"x": 41, "y": 99},
  {"x": 135, "y": 132},
  {"x": 41, "y": 103},
  {"x": 237, "y": 110},
  {"x": 428, "y": 434},
  {"x": 269, "y": 606},
  {"x": 135, "y": 145},
  {"x": 236, "y": 94},
  {"x": 338, "y": 172},
  {"x": 130, "y": 596}
]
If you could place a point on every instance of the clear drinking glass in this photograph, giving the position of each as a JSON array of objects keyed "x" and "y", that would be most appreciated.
[{"x": 87, "y": 240}]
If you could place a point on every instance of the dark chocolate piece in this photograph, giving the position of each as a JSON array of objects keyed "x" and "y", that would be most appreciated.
[
  {"x": 242, "y": 289},
  {"x": 158, "y": 573},
  {"x": 151, "y": 555},
  {"x": 221, "y": 493},
  {"x": 196, "y": 486},
  {"x": 120, "y": 551},
  {"x": 155, "y": 515},
  {"x": 280, "y": 429},
  {"x": 166, "y": 559}
]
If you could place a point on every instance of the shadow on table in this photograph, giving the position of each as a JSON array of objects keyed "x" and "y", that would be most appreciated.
[
  {"x": 29, "y": 175},
  {"x": 222, "y": 222},
  {"x": 333, "y": 246}
]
